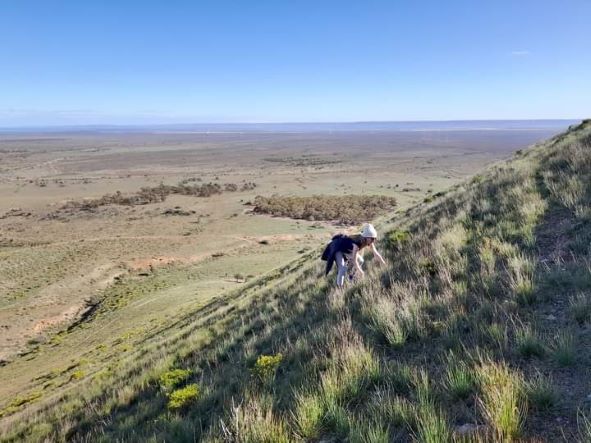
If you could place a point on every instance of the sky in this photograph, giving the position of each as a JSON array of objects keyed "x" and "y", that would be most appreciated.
[{"x": 143, "y": 62}]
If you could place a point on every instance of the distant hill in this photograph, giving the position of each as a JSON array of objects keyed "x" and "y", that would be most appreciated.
[{"x": 477, "y": 330}]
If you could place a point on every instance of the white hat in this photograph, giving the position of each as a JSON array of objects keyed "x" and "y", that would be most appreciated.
[{"x": 369, "y": 231}]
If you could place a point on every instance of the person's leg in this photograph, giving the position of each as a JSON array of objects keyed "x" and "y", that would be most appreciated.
[{"x": 341, "y": 269}]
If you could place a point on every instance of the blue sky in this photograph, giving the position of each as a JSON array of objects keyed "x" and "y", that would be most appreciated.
[{"x": 128, "y": 62}]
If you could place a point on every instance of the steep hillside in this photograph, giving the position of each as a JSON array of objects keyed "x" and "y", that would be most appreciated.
[{"x": 477, "y": 330}]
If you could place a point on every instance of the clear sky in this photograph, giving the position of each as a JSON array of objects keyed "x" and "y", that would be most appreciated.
[{"x": 128, "y": 62}]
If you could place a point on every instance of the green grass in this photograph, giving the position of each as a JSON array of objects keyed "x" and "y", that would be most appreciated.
[
  {"x": 529, "y": 343},
  {"x": 580, "y": 307},
  {"x": 564, "y": 349},
  {"x": 459, "y": 378},
  {"x": 540, "y": 393},
  {"x": 502, "y": 400}
]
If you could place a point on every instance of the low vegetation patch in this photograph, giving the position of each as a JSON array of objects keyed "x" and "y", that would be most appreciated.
[
  {"x": 183, "y": 397},
  {"x": 266, "y": 366},
  {"x": 174, "y": 377},
  {"x": 157, "y": 194},
  {"x": 345, "y": 209}
]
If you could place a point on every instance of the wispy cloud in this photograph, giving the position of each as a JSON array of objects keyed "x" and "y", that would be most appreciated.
[{"x": 519, "y": 53}]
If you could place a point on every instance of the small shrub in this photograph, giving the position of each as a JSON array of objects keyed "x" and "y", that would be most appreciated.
[
  {"x": 580, "y": 307},
  {"x": 540, "y": 393},
  {"x": 77, "y": 375},
  {"x": 173, "y": 378},
  {"x": 397, "y": 238},
  {"x": 182, "y": 397},
  {"x": 266, "y": 367}
]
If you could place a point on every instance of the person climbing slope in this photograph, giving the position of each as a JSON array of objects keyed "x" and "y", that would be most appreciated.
[{"x": 345, "y": 251}]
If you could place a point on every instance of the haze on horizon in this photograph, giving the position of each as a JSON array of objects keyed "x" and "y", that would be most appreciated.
[{"x": 91, "y": 63}]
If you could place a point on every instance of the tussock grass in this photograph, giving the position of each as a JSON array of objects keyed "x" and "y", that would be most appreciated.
[
  {"x": 309, "y": 414},
  {"x": 367, "y": 430},
  {"x": 529, "y": 344},
  {"x": 584, "y": 426},
  {"x": 394, "y": 409},
  {"x": 255, "y": 422},
  {"x": 501, "y": 399},
  {"x": 540, "y": 393},
  {"x": 521, "y": 278},
  {"x": 564, "y": 349},
  {"x": 580, "y": 307},
  {"x": 381, "y": 313},
  {"x": 459, "y": 378}
]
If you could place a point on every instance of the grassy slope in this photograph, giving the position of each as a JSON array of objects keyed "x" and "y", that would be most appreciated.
[{"x": 479, "y": 323}]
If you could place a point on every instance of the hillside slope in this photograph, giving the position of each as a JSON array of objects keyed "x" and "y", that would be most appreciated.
[{"x": 478, "y": 329}]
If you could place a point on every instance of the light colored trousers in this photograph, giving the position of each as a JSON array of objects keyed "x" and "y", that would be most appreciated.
[{"x": 343, "y": 267}]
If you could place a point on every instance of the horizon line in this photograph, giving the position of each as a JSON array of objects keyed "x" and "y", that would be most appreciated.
[{"x": 327, "y": 122}]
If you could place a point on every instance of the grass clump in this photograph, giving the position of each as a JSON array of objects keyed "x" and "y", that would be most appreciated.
[
  {"x": 564, "y": 349},
  {"x": 580, "y": 307},
  {"x": 368, "y": 430},
  {"x": 255, "y": 422},
  {"x": 182, "y": 397},
  {"x": 432, "y": 426},
  {"x": 584, "y": 426},
  {"x": 266, "y": 366},
  {"x": 393, "y": 409},
  {"x": 309, "y": 414},
  {"x": 459, "y": 378},
  {"x": 528, "y": 342},
  {"x": 173, "y": 378},
  {"x": 521, "y": 278},
  {"x": 382, "y": 317},
  {"x": 501, "y": 399},
  {"x": 540, "y": 393}
]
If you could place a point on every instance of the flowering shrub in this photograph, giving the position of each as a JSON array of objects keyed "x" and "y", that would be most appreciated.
[
  {"x": 182, "y": 397},
  {"x": 266, "y": 366},
  {"x": 174, "y": 377}
]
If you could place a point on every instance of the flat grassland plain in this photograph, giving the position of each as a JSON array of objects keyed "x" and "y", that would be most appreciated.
[{"x": 79, "y": 283}]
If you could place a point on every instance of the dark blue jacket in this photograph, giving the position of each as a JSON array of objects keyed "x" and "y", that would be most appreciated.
[{"x": 339, "y": 243}]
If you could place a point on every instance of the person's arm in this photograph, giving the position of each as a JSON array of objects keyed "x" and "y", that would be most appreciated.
[
  {"x": 377, "y": 254},
  {"x": 356, "y": 263}
]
